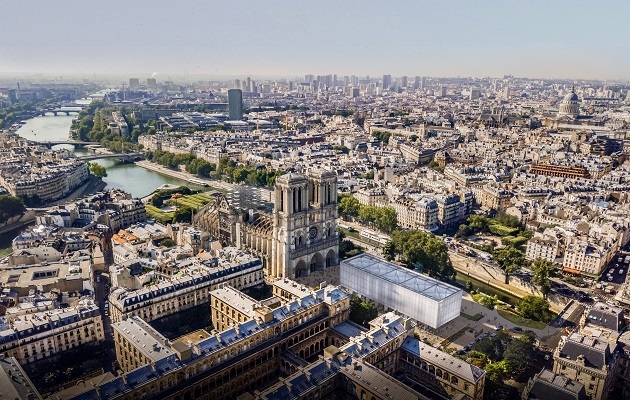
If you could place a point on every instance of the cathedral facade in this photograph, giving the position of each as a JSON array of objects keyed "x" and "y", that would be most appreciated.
[{"x": 298, "y": 237}]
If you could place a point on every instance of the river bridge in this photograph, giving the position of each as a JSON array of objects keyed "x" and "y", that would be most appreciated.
[
  {"x": 75, "y": 143},
  {"x": 60, "y": 110},
  {"x": 126, "y": 157}
]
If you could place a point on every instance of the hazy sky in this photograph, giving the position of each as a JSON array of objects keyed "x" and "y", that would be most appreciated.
[{"x": 552, "y": 38}]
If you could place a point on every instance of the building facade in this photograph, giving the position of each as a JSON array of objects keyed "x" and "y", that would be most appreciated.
[
  {"x": 35, "y": 336},
  {"x": 300, "y": 235}
]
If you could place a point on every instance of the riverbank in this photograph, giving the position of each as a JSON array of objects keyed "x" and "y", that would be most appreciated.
[
  {"x": 264, "y": 193},
  {"x": 25, "y": 219},
  {"x": 92, "y": 185}
]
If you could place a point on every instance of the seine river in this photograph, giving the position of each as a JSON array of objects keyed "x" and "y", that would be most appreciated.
[{"x": 129, "y": 177}]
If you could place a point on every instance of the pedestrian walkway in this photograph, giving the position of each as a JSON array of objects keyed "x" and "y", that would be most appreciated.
[
  {"x": 315, "y": 279},
  {"x": 487, "y": 323}
]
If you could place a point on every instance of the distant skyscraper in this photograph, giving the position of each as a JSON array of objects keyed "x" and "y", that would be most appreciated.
[
  {"x": 134, "y": 83},
  {"x": 152, "y": 83},
  {"x": 235, "y": 104},
  {"x": 416, "y": 83},
  {"x": 404, "y": 81},
  {"x": 506, "y": 92},
  {"x": 387, "y": 82},
  {"x": 423, "y": 83},
  {"x": 346, "y": 80},
  {"x": 309, "y": 78},
  {"x": 237, "y": 83},
  {"x": 334, "y": 80}
]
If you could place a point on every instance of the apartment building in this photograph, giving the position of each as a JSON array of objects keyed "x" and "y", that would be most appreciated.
[
  {"x": 582, "y": 257},
  {"x": 448, "y": 209},
  {"x": 44, "y": 334},
  {"x": 421, "y": 214},
  {"x": 370, "y": 197},
  {"x": 546, "y": 248},
  {"x": 191, "y": 287}
]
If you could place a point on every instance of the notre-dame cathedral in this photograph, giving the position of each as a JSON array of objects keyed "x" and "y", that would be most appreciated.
[{"x": 298, "y": 237}]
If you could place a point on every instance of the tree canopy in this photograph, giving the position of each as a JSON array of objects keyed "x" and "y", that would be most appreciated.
[
  {"x": 349, "y": 206},
  {"x": 542, "y": 270},
  {"x": 383, "y": 218},
  {"x": 362, "y": 312},
  {"x": 97, "y": 170},
  {"x": 10, "y": 206},
  {"x": 421, "y": 248},
  {"x": 510, "y": 260},
  {"x": 534, "y": 307}
]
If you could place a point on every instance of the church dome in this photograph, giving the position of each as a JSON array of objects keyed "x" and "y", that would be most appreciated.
[
  {"x": 570, "y": 105},
  {"x": 570, "y": 97}
]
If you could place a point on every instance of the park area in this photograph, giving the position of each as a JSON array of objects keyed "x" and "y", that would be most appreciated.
[{"x": 175, "y": 207}]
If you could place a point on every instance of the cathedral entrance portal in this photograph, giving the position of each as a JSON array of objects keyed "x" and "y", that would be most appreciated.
[
  {"x": 331, "y": 258},
  {"x": 317, "y": 263},
  {"x": 300, "y": 269}
]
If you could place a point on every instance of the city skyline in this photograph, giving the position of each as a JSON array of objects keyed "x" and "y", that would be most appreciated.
[{"x": 559, "y": 40}]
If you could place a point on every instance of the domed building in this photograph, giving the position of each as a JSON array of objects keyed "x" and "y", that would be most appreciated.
[
  {"x": 568, "y": 115},
  {"x": 570, "y": 105}
]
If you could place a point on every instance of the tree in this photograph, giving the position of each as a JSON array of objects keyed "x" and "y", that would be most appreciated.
[
  {"x": 97, "y": 170},
  {"x": 496, "y": 370},
  {"x": 389, "y": 251},
  {"x": 488, "y": 301},
  {"x": 434, "y": 165},
  {"x": 519, "y": 354},
  {"x": 421, "y": 248},
  {"x": 477, "y": 223},
  {"x": 362, "y": 312},
  {"x": 167, "y": 242},
  {"x": 510, "y": 260},
  {"x": 10, "y": 206},
  {"x": 542, "y": 270},
  {"x": 463, "y": 231},
  {"x": 342, "y": 149},
  {"x": 534, "y": 307},
  {"x": 183, "y": 214},
  {"x": 348, "y": 248},
  {"x": 386, "y": 219},
  {"x": 349, "y": 206},
  {"x": 51, "y": 377}
]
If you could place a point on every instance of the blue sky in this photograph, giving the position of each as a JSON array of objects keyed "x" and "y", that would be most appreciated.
[{"x": 553, "y": 38}]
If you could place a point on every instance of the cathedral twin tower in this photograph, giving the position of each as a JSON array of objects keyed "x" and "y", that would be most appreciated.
[
  {"x": 305, "y": 224},
  {"x": 298, "y": 238}
]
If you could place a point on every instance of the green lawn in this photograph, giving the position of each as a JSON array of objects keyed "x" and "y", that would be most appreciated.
[
  {"x": 475, "y": 317},
  {"x": 194, "y": 201},
  {"x": 159, "y": 215},
  {"x": 524, "y": 322}
]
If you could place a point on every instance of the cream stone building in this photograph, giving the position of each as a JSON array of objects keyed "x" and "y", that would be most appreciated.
[{"x": 35, "y": 336}]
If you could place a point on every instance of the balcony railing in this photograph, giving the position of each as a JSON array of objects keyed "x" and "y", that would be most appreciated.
[{"x": 311, "y": 248}]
